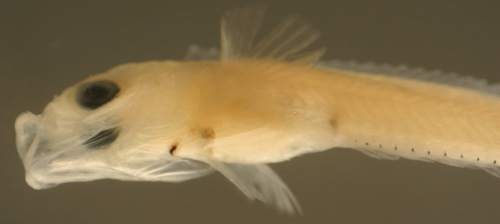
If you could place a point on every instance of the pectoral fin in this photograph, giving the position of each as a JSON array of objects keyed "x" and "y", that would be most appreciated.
[{"x": 260, "y": 182}]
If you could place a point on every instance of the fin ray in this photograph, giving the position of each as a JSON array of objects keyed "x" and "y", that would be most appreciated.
[
  {"x": 260, "y": 182},
  {"x": 292, "y": 35},
  {"x": 238, "y": 29},
  {"x": 403, "y": 71}
]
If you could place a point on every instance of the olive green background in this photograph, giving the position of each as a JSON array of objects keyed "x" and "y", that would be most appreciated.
[{"x": 46, "y": 46}]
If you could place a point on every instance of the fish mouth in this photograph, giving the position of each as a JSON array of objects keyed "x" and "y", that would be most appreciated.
[
  {"x": 30, "y": 144},
  {"x": 48, "y": 163},
  {"x": 27, "y": 136},
  {"x": 37, "y": 184},
  {"x": 27, "y": 142}
]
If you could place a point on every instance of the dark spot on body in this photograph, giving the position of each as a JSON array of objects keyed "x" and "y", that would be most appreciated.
[
  {"x": 413, "y": 150},
  {"x": 380, "y": 146},
  {"x": 477, "y": 159},
  {"x": 395, "y": 148},
  {"x": 428, "y": 152},
  {"x": 445, "y": 154},
  {"x": 172, "y": 149},
  {"x": 366, "y": 143},
  {"x": 461, "y": 156},
  {"x": 495, "y": 162}
]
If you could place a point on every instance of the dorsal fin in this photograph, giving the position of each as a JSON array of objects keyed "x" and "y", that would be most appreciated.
[
  {"x": 403, "y": 71},
  {"x": 240, "y": 25},
  {"x": 197, "y": 53},
  {"x": 451, "y": 79}
]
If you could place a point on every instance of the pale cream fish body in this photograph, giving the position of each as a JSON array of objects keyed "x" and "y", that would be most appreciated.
[{"x": 174, "y": 121}]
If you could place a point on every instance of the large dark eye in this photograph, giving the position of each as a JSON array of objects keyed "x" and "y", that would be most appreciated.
[{"x": 95, "y": 94}]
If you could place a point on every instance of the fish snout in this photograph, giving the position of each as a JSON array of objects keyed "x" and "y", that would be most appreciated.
[
  {"x": 27, "y": 136},
  {"x": 27, "y": 141}
]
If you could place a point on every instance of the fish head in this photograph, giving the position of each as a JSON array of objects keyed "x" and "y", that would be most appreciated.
[{"x": 119, "y": 125}]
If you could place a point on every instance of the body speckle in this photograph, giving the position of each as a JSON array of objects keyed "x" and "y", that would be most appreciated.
[
  {"x": 208, "y": 134},
  {"x": 333, "y": 124}
]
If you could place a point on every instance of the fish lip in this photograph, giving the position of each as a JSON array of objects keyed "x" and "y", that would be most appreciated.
[
  {"x": 27, "y": 137},
  {"x": 27, "y": 141},
  {"x": 36, "y": 184},
  {"x": 31, "y": 142}
]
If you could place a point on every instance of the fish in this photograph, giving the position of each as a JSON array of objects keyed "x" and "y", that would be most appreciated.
[{"x": 238, "y": 109}]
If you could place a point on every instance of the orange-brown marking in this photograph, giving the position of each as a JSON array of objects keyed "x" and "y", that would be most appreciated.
[
  {"x": 208, "y": 133},
  {"x": 333, "y": 123}
]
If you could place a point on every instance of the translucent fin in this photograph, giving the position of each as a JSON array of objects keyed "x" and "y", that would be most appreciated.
[
  {"x": 495, "y": 171},
  {"x": 260, "y": 182},
  {"x": 171, "y": 171},
  {"x": 378, "y": 154},
  {"x": 240, "y": 25},
  {"x": 491, "y": 169},
  {"x": 197, "y": 53},
  {"x": 403, "y": 71},
  {"x": 238, "y": 29}
]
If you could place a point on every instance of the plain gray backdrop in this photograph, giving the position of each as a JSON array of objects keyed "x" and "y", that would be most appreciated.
[{"x": 46, "y": 46}]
